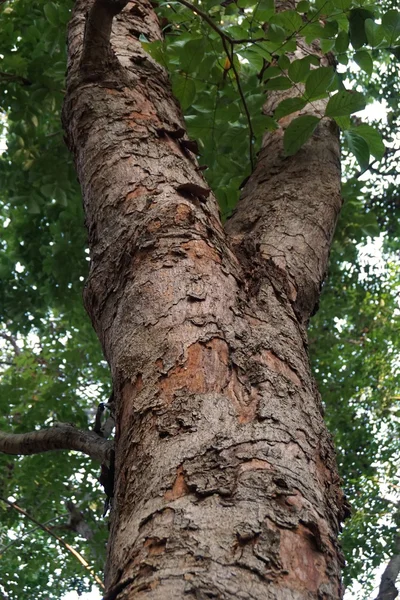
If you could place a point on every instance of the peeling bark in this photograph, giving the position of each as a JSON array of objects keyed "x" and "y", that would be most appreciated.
[{"x": 226, "y": 480}]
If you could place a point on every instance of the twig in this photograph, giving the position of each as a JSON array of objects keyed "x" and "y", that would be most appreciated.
[
  {"x": 20, "y": 538},
  {"x": 11, "y": 77},
  {"x": 207, "y": 19},
  {"x": 69, "y": 548},
  {"x": 13, "y": 342},
  {"x": 243, "y": 99}
]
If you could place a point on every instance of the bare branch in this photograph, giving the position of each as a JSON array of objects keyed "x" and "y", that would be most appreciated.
[
  {"x": 12, "y": 77},
  {"x": 387, "y": 587},
  {"x": 9, "y": 338},
  {"x": 19, "y": 539},
  {"x": 63, "y": 436},
  {"x": 71, "y": 550}
]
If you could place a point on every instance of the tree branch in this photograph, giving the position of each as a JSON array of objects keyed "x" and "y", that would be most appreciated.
[
  {"x": 96, "y": 43},
  {"x": 63, "y": 436},
  {"x": 9, "y": 338},
  {"x": 17, "y": 78},
  {"x": 387, "y": 587},
  {"x": 20, "y": 538},
  {"x": 208, "y": 20},
  {"x": 70, "y": 549}
]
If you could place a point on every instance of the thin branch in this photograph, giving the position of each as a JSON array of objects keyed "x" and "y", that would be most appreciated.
[
  {"x": 243, "y": 99},
  {"x": 9, "y": 338},
  {"x": 63, "y": 436},
  {"x": 21, "y": 537},
  {"x": 69, "y": 548},
  {"x": 227, "y": 38},
  {"x": 17, "y": 78},
  {"x": 49, "y": 135},
  {"x": 208, "y": 20}
]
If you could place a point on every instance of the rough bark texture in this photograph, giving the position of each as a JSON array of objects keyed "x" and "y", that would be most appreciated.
[{"x": 226, "y": 482}]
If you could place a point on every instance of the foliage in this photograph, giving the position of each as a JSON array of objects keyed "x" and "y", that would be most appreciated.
[{"x": 52, "y": 367}]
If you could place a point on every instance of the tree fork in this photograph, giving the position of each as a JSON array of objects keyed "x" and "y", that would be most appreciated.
[{"x": 226, "y": 480}]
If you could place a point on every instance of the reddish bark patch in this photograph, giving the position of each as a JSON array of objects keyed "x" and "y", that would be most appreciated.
[
  {"x": 279, "y": 366},
  {"x": 139, "y": 191},
  {"x": 205, "y": 370},
  {"x": 179, "y": 488},
  {"x": 154, "y": 226},
  {"x": 183, "y": 214},
  {"x": 245, "y": 403},
  {"x": 295, "y": 500},
  {"x": 155, "y": 546},
  {"x": 128, "y": 395},
  {"x": 254, "y": 464},
  {"x": 304, "y": 564},
  {"x": 200, "y": 250},
  {"x": 144, "y": 109}
]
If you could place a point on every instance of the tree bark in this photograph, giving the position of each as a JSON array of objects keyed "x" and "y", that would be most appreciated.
[{"x": 226, "y": 480}]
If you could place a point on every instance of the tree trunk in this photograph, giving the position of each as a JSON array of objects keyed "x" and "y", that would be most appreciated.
[{"x": 226, "y": 482}]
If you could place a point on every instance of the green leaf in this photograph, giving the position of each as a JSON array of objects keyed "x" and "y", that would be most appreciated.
[
  {"x": 51, "y": 13},
  {"x": 185, "y": 90},
  {"x": 254, "y": 58},
  {"x": 342, "y": 4},
  {"x": 357, "y": 29},
  {"x": 262, "y": 122},
  {"x": 156, "y": 51},
  {"x": 298, "y": 132},
  {"x": 364, "y": 61},
  {"x": 373, "y": 139},
  {"x": 375, "y": 33},
  {"x": 327, "y": 45},
  {"x": 284, "y": 62},
  {"x": 345, "y": 103},
  {"x": 318, "y": 81},
  {"x": 299, "y": 69},
  {"x": 342, "y": 41},
  {"x": 276, "y": 33},
  {"x": 288, "y": 106},
  {"x": 272, "y": 72},
  {"x": 303, "y": 6},
  {"x": 343, "y": 122},
  {"x": 278, "y": 83},
  {"x": 391, "y": 25},
  {"x": 189, "y": 55},
  {"x": 262, "y": 50},
  {"x": 289, "y": 20},
  {"x": 359, "y": 147},
  {"x": 47, "y": 190}
]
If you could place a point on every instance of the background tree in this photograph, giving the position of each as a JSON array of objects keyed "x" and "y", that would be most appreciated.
[{"x": 56, "y": 370}]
